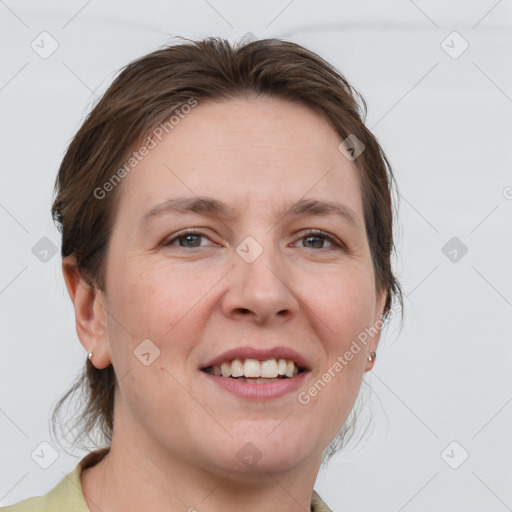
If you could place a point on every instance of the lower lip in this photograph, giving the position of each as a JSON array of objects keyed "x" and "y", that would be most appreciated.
[{"x": 258, "y": 391}]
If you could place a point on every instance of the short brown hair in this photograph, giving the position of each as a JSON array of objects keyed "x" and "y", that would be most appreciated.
[{"x": 144, "y": 95}]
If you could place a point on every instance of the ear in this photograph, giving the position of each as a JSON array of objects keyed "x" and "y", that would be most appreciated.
[
  {"x": 376, "y": 327},
  {"x": 90, "y": 313}
]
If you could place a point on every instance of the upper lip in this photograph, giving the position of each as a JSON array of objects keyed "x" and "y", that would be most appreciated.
[{"x": 260, "y": 355}]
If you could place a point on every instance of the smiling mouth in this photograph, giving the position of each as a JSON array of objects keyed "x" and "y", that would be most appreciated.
[{"x": 255, "y": 371}]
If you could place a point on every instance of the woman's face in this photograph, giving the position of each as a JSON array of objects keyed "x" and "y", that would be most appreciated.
[{"x": 248, "y": 179}]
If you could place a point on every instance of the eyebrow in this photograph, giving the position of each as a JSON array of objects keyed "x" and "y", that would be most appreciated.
[{"x": 214, "y": 208}]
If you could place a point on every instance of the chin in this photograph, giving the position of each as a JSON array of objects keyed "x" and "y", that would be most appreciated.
[{"x": 263, "y": 453}]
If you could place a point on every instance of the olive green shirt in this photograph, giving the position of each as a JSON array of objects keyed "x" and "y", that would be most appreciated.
[{"x": 67, "y": 495}]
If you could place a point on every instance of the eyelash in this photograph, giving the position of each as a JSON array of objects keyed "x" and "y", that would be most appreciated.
[{"x": 309, "y": 233}]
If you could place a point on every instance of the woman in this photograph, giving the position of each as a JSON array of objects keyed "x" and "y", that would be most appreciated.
[{"x": 226, "y": 224}]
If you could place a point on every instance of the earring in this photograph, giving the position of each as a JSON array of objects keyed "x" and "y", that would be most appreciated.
[
  {"x": 371, "y": 356},
  {"x": 90, "y": 355}
]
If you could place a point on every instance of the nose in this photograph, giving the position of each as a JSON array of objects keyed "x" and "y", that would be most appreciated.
[{"x": 260, "y": 291}]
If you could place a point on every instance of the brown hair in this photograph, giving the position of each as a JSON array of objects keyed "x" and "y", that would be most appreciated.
[{"x": 143, "y": 96}]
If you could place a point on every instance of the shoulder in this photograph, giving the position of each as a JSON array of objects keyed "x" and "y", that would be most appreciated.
[
  {"x": 34, "y": 504},
  {"x": 66, "y": 496},
  {"x": 318, "y": 505}
]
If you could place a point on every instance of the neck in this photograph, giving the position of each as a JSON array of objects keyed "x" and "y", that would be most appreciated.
[{"x": 133, "y": 477}]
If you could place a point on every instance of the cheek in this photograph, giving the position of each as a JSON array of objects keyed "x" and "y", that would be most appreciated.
[
  {"x": 344, "y": 303},
  {"x": 159, "y": 303},
  {"x": 342, "y": 316},
  {"x": 345, "y": 310},
  {"x": 151, "y": 304},
  {"x": 151, "y": 299}
]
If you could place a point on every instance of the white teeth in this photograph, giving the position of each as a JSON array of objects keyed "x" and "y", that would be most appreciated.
[
  {"x": 237, "y": 368},
  {"x": 225, "y": 369},
  {"x": 269, "y": 369},
  {"x": 252, "y": 368},
  {"x": 289, "y": 368},
  {"x": 258, "y": 381}
]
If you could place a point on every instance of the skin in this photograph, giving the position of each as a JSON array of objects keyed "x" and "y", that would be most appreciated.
[{"x": 176, "y": 435}]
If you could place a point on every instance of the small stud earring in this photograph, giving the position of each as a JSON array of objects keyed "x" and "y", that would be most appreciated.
[
  {"x": 371, "y": 356},
  {"x": 90, "y": 355}
]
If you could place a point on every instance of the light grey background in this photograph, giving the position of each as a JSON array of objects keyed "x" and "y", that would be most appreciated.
[{"x": 445, "y": 122}]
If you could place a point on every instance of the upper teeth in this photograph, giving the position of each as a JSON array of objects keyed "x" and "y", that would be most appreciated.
[{"x": 270, "y": 368}]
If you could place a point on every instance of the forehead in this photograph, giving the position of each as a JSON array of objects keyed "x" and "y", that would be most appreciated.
[{"x": 242, "y": 151}]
